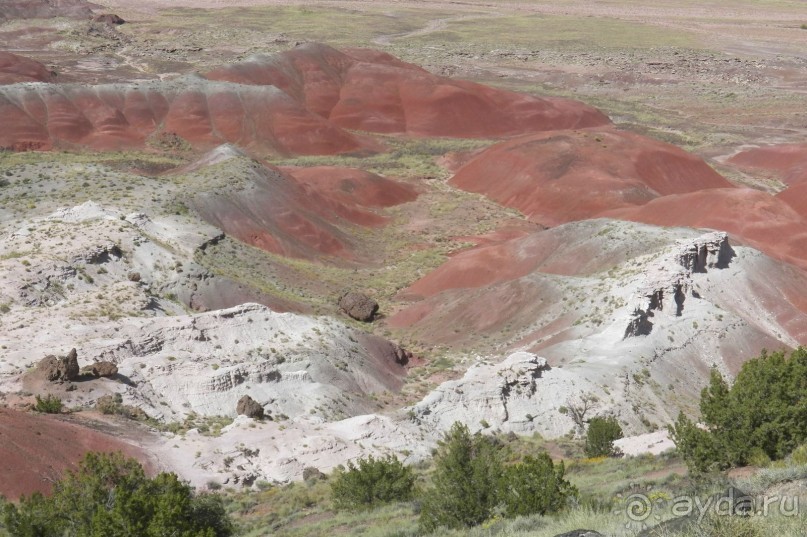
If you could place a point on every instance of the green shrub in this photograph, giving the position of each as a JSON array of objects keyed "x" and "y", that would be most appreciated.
[
  {"x": 758, "y": 458},
  {"x": 762, "y": 413},
  {"x": 535, "y": 486},
  {"x": 799, "y": 455},
  {"x": 600, "y": 437},
  {"x": 50, "y": 404},
  {"x": 729, "y": 526},
  {"x": 111, "y": 496},
  {"x": 466, "y": 479},
  {"x": 372, "y": 482}
]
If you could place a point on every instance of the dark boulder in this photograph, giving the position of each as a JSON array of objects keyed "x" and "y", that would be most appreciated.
[
  {"x": 109, "y": 18},
  {"x": 581, "y": 533},
  {"x": 359, "y": 306},
  {"x": 249, "y": 407},
  {"x": 402, "y": 356},
  {"x": 100, "y": 369}
]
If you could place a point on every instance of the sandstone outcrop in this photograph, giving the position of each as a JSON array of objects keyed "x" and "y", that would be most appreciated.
[
  {"x": 513, "y": 395},
  {"x": 668, "y": 282},
  {"x": 59, "y": 369}
]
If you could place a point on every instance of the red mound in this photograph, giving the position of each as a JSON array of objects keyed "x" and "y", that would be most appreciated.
[
  {"x": 568, "y": 251},
  {"x": 15, "y": 69},
  {"x": 564, "y": 176},
  {"x": 45, "y": 9},
  {"x": 796, "y": 197},
  {"x": 788, "y": 162},
  {"x": 275, "y": 212},
  {"x": 373, "y": 91},
  {"x": 516, "y": 291},
  {"x": 347, "y": 190},
  {"x": 188, "y": 111},
  {"x": 758, "y": 219},
  {"x": 35, "y": 450}
]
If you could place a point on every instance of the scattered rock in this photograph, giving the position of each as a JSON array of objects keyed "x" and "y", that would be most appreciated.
[
  {"x": 60, "y": 369},
  {"x": 102, "y": 253},
  {"x": 109, "y": 18},
  {"x": 100, "y": 369},
  {"x": 359, "y": 306},
  {"x": 249, "y": 407},
  {"x": 134, "y": 276}
]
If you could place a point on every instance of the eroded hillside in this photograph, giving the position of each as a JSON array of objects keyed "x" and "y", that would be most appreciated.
[{"x": 197, "y": 230}]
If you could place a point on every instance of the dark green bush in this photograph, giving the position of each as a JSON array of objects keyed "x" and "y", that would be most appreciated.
[
  {"x": 765, "y": 411},
  {"x": 372, "y": 482},
  {"x": 465, "y": 489},
  {"x": 110, "y": 496},
  {"x": 535, "y": 487},
  {"x": 50, "y": 404},
  {"x": 471, "y": 484},
  {"x": 600, "y": 437}
]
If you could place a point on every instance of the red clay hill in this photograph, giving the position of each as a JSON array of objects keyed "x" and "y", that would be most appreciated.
[
  {"x": 350, "y": 192},
  {"x": 45, "y": 9},
  {"x": 796, "y": 197},
  {"x": 564, "y": 176},
  {"x": 768, "y": 223},
  {"x": 185, "y": 112},
  {"x": 15, "y": 69},
  {"x": 303, "y": 213},
  {"x": 558, "y": 177},
  {"x": 372, "y": 91},
  {"x": 787, "y": 162},
  {"x": 298, "y": 102},
  {"x": 36, "y": 450},
  {"x": 517, "y": 288}
]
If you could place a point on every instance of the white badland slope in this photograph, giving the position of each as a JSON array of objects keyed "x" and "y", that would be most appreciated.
[
  {"x": 639, "y": 344},
  {"x": 689, "y": 303}
]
